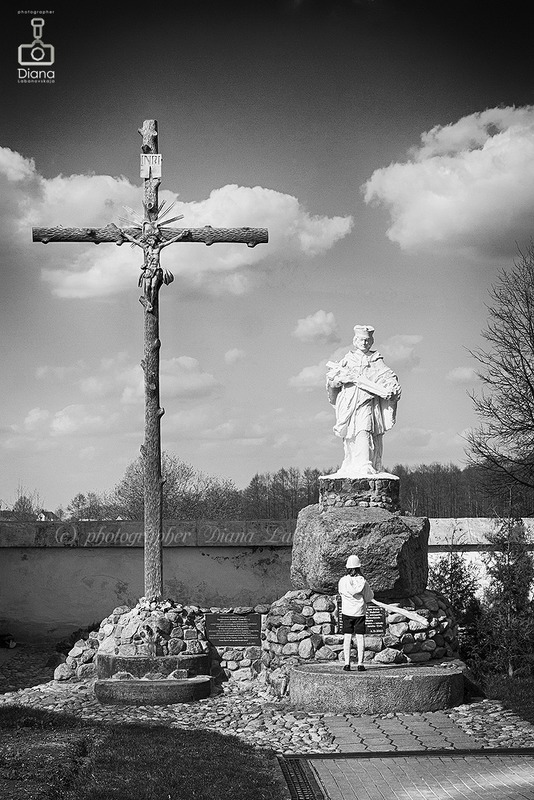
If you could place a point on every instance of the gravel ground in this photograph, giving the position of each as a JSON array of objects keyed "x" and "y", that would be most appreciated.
[{"x": 244, "y": 709}]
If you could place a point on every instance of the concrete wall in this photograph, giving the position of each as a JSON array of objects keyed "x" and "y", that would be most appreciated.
[
  {"x": 57, "y": 578},
  {"x": 46, "y": 593}
]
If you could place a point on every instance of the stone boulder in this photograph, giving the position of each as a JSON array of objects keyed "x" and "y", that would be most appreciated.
[{"x": 393, "y": 550}]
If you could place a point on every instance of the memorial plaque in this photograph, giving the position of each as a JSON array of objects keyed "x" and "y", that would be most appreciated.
[
  {"x": 234, "y": 630},
  {"x": 375, "y": 619}
]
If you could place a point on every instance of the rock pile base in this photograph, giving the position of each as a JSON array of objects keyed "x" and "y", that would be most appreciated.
[
  {"x": 164, "y": 630},
  {"x": 302, "y": 627}
]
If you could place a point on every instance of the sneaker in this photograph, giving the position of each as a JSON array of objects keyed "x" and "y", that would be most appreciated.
[
  {"x": 361, "y": 668},
  {"x": 346, "y": 668}
]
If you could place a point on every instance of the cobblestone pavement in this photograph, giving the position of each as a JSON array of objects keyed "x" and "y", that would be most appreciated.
[{"x": 249, "y": 711}]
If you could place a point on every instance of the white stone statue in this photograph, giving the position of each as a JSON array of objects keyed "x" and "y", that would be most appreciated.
[{"x": 364, "y": 392}]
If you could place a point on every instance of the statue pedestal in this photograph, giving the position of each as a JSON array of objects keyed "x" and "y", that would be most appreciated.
[
  {"x": 393, "y": 549},
  {"x": 369, "y": 492}
]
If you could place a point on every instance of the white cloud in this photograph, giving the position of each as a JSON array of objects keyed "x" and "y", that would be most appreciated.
[
  {"x": 234, "y": 355},
  {"x": 399, "y": 350},
  {"x": 14, "y": 166},
  {"x": 82, "y": 419},
  {"x": 208, "y": 424},
  {"x": 110, "y": 393},
  {"x": 462, "y": 375},
  {"x": 315, "y": 375},
  {"x": 35, "y": 418},
  {"x": 320, "y": 327},
  {"x": 310, "y": 377},
  {"x": 82, "y": 270},
  {"x": 184, "y": 377},
  {"x": 435, "y": 445},
  {"x": 411, "y": 438},
  {"x": 469, "y": 184},
  {"x": 117, "y": 377}
]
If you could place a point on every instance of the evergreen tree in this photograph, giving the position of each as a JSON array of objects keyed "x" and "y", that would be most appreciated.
[
  {"x": 505, "y": 632},
  {"x": 452, "y": 576}
]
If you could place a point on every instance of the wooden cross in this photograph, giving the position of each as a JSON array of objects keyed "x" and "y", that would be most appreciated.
[{"x": 150, "y": 234}]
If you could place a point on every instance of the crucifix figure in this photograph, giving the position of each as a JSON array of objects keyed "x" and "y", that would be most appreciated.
[
  {"x": 152, "y": 274},
  {"x": 150, "y": 234}
]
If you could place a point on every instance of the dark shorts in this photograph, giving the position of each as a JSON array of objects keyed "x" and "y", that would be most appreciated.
[{"x": 353, "y": 624}]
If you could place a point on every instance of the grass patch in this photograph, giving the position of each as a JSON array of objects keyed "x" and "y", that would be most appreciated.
[
  {"x": 515, "y": 693},
  {"x": 49, "y": 756}
]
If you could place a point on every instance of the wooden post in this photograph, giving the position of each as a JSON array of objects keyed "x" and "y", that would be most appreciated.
[{"x": 151, "y": 449}]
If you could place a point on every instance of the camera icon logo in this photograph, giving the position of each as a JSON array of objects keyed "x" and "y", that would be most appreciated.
[{"x": 37, "y": 53}]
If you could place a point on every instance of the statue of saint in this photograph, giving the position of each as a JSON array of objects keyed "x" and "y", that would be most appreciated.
[{"x": 364, "y": 392}]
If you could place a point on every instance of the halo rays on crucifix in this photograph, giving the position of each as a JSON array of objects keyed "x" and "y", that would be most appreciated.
[{"x": 151, "y": 239}]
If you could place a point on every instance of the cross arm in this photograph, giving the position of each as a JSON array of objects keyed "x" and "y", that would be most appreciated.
[{"x": 206, "y": 235}]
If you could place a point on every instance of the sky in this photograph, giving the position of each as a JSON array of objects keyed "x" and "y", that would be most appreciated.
[{"x": 387, "y": 145}]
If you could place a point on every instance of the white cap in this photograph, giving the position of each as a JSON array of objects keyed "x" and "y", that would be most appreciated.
[
  {"x": 363, "y": 329},
  {"x": 352, "y": 562}
]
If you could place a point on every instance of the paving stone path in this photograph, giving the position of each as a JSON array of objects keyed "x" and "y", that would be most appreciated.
[
  {"x": 248, "y": 710},
  {"x": 427, "y": 777}
]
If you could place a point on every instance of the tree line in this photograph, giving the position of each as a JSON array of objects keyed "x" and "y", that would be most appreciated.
[{"x": 427, "y": 490}]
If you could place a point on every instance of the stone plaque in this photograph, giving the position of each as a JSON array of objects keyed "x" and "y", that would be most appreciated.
[
  {"x": 375, "y": 619},
  {"x": 234, "y": 630}
]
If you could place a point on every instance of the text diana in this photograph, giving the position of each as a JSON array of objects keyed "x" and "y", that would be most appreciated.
[{"x": 36, "y": 73}]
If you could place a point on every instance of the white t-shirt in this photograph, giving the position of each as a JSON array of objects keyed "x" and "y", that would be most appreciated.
[{"x": 355, "y": 593}]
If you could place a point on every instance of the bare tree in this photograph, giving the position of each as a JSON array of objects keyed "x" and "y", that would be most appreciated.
[
  {"x": 503, "y": 443},
  {"x": 187, "y": 492},
  {"x": 27, "y": 505}
]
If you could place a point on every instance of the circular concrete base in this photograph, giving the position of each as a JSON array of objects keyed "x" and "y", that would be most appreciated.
[
  {"x": 379, "y": 690},
  {"x": 152, "y": 693}
]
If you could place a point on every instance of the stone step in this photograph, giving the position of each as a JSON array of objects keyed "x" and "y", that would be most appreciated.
[
  {"x": 379, "y": 690},
  {"x": 152, "y": 693}
]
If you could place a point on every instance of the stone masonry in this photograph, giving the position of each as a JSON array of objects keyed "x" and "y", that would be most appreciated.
[
  {"x": 166, "y": 629},
  {"x": 302, "y": 627},
  {"x": 360, "y": 492}
]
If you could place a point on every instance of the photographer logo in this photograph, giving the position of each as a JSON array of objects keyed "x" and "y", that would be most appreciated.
[{"x": 35, "y": 57}]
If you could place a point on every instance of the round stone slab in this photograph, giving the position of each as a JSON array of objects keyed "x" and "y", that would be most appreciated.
[
  {"x": 379, "y": 690},
  {"x": 152, "y": 693}
]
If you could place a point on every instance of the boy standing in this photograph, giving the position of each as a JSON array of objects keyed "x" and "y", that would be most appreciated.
[{"x": 355, "y": 594}]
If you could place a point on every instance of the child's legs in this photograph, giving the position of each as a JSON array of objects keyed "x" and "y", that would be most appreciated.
[
  {"x": 359, "y": 646},
  {"x": 347, "y": 644}
]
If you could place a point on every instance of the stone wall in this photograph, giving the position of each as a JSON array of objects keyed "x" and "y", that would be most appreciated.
[{"x": 302, "y": 626}]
